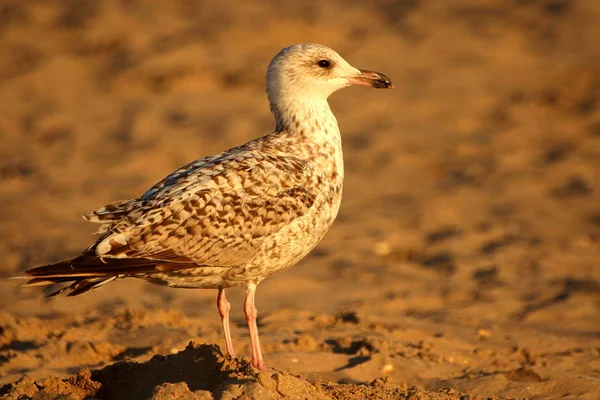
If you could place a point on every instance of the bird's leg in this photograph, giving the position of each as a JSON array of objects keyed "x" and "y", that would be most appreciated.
[
  {"x": 224, "y": 306},
  {"x": 250, "y": 313}
]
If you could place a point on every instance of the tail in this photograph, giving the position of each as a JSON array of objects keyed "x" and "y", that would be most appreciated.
[{"x": 86, "y": 272}]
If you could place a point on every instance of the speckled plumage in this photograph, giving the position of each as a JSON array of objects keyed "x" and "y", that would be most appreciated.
[
  {"x": 234, "y": 218},
  {"x": 239, "y": 216}
]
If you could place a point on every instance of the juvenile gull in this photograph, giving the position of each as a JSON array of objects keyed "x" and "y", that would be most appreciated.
[{"x": 234, "y": 218}]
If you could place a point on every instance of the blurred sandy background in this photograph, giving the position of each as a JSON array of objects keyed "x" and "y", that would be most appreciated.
[{"x": 467, "y": 251}]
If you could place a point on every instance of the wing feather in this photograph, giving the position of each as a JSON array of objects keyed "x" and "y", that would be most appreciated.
[{"x": 215, "y": 211}]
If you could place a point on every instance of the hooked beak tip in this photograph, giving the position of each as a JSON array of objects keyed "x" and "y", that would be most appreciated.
[{"x": 373, "y": 79}]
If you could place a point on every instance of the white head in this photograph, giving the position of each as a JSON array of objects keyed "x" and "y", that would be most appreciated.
[{"x": 313, "y": 72}]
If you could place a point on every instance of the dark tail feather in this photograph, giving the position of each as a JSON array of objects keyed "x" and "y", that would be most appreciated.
[
  {"x": 83, "y": 285},
  {"x": 92, "y": 266},
  {"x": 89, "y": 272}
]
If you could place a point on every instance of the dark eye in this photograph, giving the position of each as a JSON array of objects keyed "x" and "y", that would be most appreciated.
[{"x": 324, "y": 64}]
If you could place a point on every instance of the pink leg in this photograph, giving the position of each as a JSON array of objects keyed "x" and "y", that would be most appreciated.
[
  {"x": 250, "y": 313},
  {"x": 223, "y": 306}
]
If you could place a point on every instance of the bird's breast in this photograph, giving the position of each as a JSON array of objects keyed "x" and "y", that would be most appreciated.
[{"x": 328, "y": 179}]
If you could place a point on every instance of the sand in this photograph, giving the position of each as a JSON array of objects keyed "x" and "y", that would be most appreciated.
[{"x": 465, "y": 262}]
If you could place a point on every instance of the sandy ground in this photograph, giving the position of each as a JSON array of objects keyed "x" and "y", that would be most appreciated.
[{"x": 466, "y": 256}]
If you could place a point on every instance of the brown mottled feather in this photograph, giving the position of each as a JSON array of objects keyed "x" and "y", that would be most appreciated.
[{"x": 215, "y": 212}]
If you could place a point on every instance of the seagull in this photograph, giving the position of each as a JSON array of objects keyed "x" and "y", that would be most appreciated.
[{"x": 237, "y": 217}]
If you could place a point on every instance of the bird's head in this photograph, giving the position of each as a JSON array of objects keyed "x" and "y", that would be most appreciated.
[{"x": 314, "y": 71}]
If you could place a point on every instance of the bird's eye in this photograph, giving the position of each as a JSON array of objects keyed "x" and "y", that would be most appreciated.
[{"x": 324, "y": 64}]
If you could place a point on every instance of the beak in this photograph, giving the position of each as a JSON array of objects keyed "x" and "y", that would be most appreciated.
[{"x": 372, "y": 79}]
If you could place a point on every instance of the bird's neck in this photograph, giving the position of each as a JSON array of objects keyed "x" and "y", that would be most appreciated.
[
  {"x": 310, "y": 118},
  {"x": 313, "y": 125}
]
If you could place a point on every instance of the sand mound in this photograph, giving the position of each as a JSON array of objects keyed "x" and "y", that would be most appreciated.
[{"x": 202, "y": 372}]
